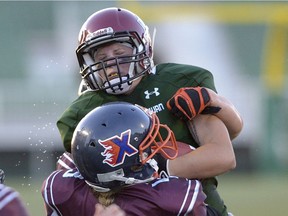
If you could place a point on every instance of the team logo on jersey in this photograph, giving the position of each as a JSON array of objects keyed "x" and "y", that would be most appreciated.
[
  {"x": 148, "y": 94},
  {"x": 117, "y": 148}
]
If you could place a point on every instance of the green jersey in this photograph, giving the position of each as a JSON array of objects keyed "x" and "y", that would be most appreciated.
[{"x": 152, "y": 92}]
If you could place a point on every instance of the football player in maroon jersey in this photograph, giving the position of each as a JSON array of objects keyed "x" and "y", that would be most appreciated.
[
  {"x": 10, "y": 201},
  {"x": 115, "y": 149}
]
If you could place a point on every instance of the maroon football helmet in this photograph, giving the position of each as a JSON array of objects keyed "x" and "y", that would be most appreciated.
[{"x": 108, "y": 26}]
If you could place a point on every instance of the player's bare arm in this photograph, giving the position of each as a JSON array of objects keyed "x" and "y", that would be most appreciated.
[
  {"x": 189, "y": 102},
  {"x": 215, "y": 155},
  {"x": 228, "y": 113}
]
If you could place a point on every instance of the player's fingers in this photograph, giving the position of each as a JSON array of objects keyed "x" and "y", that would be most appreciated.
[
  {"x": 115, "y": 210},
  {"x": 170, "y": 104},
  {"x": 184, "y": 107},
  {"x": 112, "y": 209},
  {"x": 98, "y": 209}
]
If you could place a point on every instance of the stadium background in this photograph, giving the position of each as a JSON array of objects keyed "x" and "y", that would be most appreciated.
[{"x": 244, "y": 44}]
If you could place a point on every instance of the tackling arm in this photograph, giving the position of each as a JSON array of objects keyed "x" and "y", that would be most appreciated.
[
  {"x": 215, "y": 154},
  {"x": 228, "y": 113},
  {"x": 188, "y": 102}
]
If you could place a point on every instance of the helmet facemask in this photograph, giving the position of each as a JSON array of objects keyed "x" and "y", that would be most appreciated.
[{"x": 160, "y": 139}]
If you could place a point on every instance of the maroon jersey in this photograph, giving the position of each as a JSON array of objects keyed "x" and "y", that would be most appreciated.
[
  {"x": 10, "y": 202},
  {"x": 65, "y": 193}
]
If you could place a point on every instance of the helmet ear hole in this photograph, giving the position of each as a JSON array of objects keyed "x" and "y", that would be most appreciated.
[{"x": 92, "y": 144}]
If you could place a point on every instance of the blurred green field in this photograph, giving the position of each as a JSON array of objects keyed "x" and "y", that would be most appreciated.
[
  {"x": 255, "y": 195},
  {"x": 244, "y": 194},
  {"x": 30, "y": 190}
]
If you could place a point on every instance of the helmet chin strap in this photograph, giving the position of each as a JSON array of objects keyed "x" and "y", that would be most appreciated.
[
  {"x": 97, "y": 188},
  {"x": 131, "y": 181},
  {"x": 121, "y": 88},
  {"x": 118, "y": 175},
  {"x": 118, "y": 89}
]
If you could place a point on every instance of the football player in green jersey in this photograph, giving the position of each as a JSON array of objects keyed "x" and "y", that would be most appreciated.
[{"x": 115, "y": 55}]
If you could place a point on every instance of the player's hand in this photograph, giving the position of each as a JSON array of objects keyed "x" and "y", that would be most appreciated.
[
  {"x": 112, "y": 209},
  {"x": 188, "y": 102}
]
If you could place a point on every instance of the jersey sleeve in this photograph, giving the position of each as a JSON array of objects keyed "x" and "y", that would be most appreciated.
[
  {"x": 182, "y": 75},
  {"x": 65, "y": 162},
  {"x": 166, "y": 196},
  {"x": 66, "y": 125},
  {"x": 70, "y": 118},
  {"x": 183, "y": 196},
  {"x": 65, "y": 193},
  {"x": 204, "y": 78}
]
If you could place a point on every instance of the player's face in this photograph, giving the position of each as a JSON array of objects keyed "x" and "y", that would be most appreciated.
[{"x": 108, "y": 53}]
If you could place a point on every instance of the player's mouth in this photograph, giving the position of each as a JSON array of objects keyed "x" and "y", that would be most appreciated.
[{"x": 112, "y": 76}]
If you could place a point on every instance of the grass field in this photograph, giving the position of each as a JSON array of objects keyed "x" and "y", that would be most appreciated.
[
  {"x": 244, "y": 194},
  {"x": 255, "y": 195}
]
